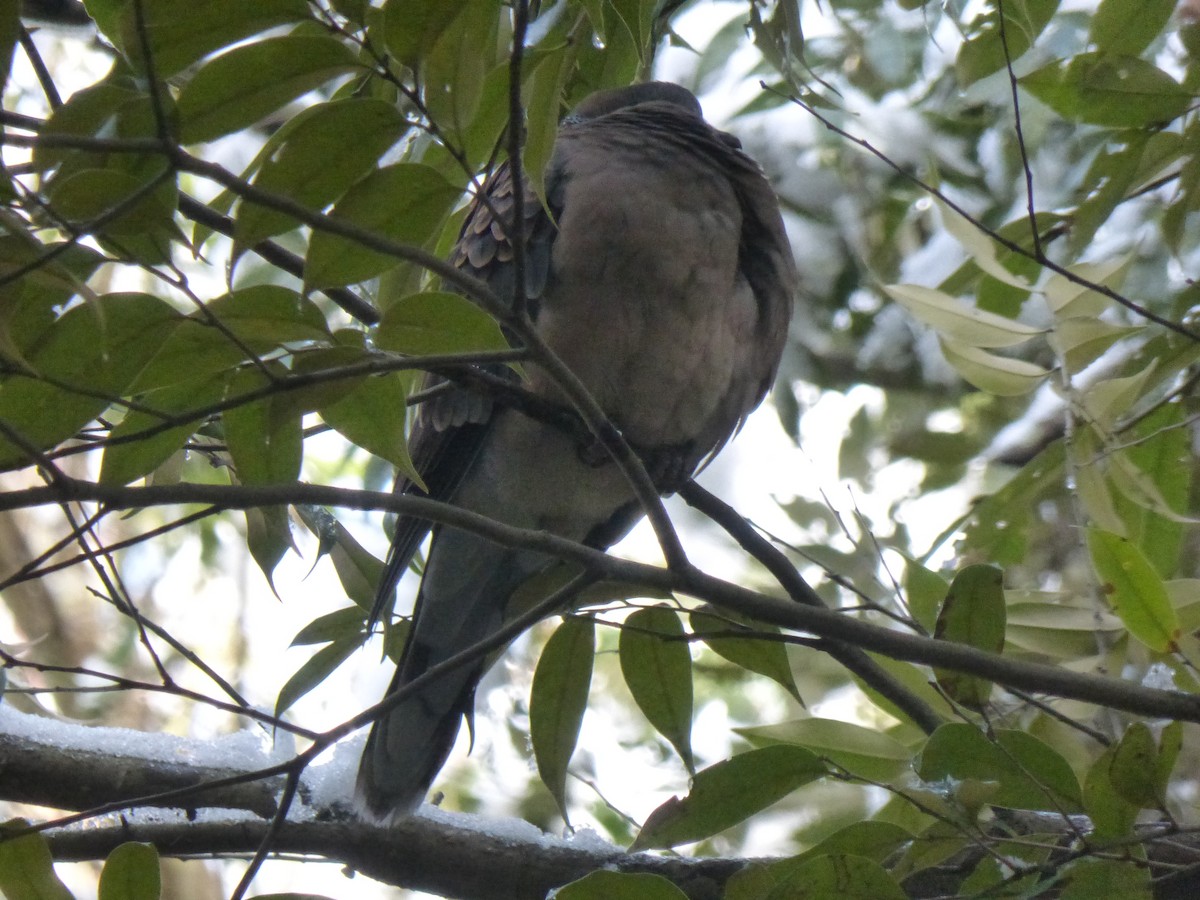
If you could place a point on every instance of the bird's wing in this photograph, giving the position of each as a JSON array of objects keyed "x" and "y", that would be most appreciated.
[{"x": 449, "y": 428}]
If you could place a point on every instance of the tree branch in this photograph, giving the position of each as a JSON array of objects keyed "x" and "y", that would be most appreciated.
[{"x": 824, "y": 623}]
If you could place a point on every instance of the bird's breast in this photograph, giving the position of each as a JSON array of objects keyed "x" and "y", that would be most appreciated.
[{"x": 646, "y": 302}]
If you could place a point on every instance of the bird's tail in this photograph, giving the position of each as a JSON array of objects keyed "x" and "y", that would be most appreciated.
[{"x": 467, "y": 583}]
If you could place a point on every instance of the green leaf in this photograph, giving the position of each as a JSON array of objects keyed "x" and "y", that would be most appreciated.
[
  {"x": 728, "y": 793},
  {"x": 91, "y": 353},
  {"x": 845, "y": 876},
  {"x": 403, "y": 203},
  {"x": 756, "y": 652},
  {"x": 957, "y": 321},
  {"x": 248, "y": 83},
  {"x": 1080, "y": 340},
  {"x": 266, "y": 316},
  {"x": 316, "y": 164},
  {"x": 1126, "y": 29},
  {"x": 1094, "y": 878},
  {"x": 127, "y": 217},
  {"x": 604, "y": 885},
  {"x": 1112, "y": 815},
  {"x": 973, "y": 613},
  {"x": 543, "y": 103},
  {"x": 131, "y": 872},
  {"x": 1135, "y": 591},
  {"x": 1069, "y": 298},
  {"x": 861, "y": 751},
  {"x": 657, "y": 666},
  {"x": 1115, "y": 91},
  {"x": 139, "y": 443},
  {"x": 358, "y": 570},
  {"x": 341, "y": 624},
  {"x": 458, "y": 65},
  {"x": 1026, "y": 772},
  {"x": 1107, "y": 401},
  {"x": 986, "y": 252},
  {"x": 180, "y": 32},
  {"x": 557, "y": 701},
  {"x": 875, "y": 841},
  {"x": 1156, "y": 461},
  {"x": 268, "y": 538},
  {"x": 27, "y": 868},
  {"x": 371, "y": 414},
  {"x": 924, "y": 591},
  {"x": 983, "y": 52},
  {"x": 998, "y": 526},
  {"x": 265, "y": 437},
  {"x": 318, "y": 667},
  {"x": 1052, "y": 627},
  {"x": 999, "y": 375},
  {"x": 437, "y": 322},
  {"x": 412, "y": 27},
  {"x": 1169, "y": 745},
  {"x": 1133, "y": 772}
]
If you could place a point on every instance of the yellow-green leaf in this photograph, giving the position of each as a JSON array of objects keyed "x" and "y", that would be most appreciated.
[{"x": 1134, "y": 590}]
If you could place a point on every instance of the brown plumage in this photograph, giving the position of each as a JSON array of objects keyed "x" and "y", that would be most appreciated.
[{"x": 663, "y": 278}]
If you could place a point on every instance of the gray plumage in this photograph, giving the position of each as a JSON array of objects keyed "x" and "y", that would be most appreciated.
[{"x": 663, "y": 278}]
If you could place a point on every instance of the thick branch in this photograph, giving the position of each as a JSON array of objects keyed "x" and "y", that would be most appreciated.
[{"x": 824, "y": 623}]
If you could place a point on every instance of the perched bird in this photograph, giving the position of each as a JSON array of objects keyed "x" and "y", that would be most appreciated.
[{"x": 663, "y": 278}]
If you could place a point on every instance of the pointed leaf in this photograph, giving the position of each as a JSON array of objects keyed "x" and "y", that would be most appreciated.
[
  {"x": 1133, "y": 771},
  {"x": 319, "y": 667},
  {"x": 97, "y": 347},
  {"x": 999, "y": 375},
  {"x": 753, "y": 653},
  {"x": 973, "y": 613},
  {"x": 243, "y": 85},
  {"x": 1026, "y": 772},
  {"x": 341, "y": 624},
  {"x": 1114, "y": 91},
  {"x": 956, "y": 320},
  {"x": 403, "y": 203},
  {"x": 1126, "y": 29},
  {"x": 437, "y": 322},
  {"x": 316, "y": 163},
  {"x": 984, "y": 51},
  {"x": 180, "y": 32},
  {"x": 658, "y": 672},
  {"x": 264, "y": 437},
  {"x": 861, "y": 751},
  {"x": 139, "y": 444},
  {"x": 1135, "y": 591},
  {"x": 1111, "y": 814},
  {"x": 268, "y": 538},
  {"x": 728, "y": 793},
  {"x": 557, "y": 701},
  {"x": 371, "y": 414}
]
